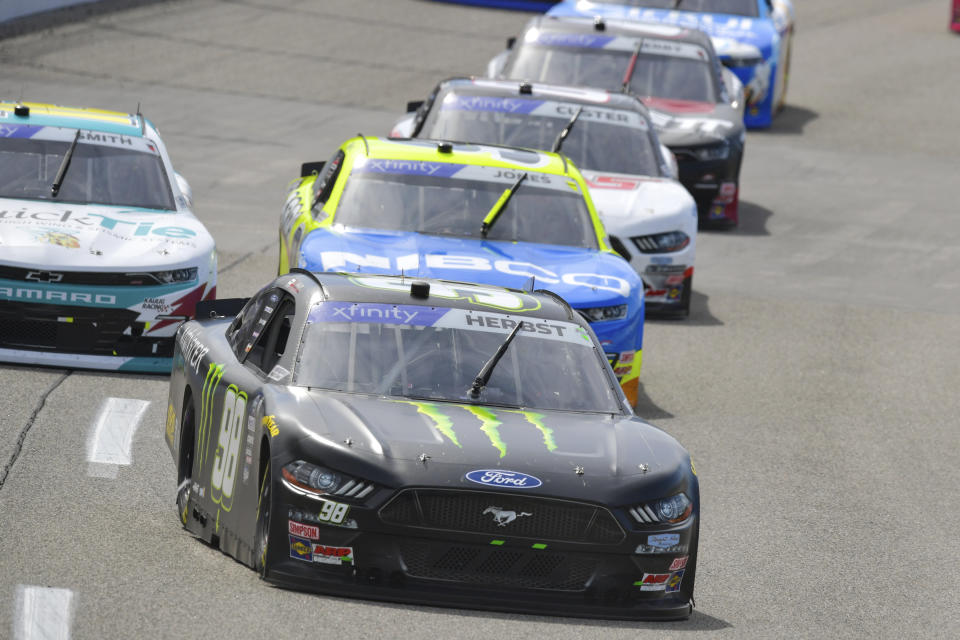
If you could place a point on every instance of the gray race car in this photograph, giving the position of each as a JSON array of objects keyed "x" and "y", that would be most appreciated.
[
  {"x": 432, "y": 442},
  {"x": 695, "y": 102}
]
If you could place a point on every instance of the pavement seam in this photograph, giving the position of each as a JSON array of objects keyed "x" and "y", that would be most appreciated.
[
  {"x": 18, "y": 447},
  {"x": 245, "y": 256}
]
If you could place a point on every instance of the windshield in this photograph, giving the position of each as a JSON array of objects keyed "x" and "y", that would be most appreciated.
[
  {"x": 453, "y": 199},
  {"x": 126, "y": 171},
  {"x": 734, "y": 7},
  {"x": 436, "y": 353},
  {"x": 656, "y": 75},
  {"x": 604, "y": 140}
]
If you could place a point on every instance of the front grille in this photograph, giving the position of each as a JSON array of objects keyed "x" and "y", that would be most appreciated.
[
  {"x": 88, "y": 278},
  {"x": 542, "y": 519},
  {"x": 496, "y": 566},
  {"x": 84, "y": 330}
]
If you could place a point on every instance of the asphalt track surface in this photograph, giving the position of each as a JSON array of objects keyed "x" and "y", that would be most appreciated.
[{"x": 815, "y": 383}]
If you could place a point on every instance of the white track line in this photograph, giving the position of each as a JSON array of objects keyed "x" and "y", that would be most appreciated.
[
  {"x": 42, "y": 613},
  {"x": 112, "y": 435}
]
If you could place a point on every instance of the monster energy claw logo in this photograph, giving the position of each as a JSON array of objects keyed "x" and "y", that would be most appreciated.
[
  {"x": 489, "y": 423},
  {"x": 214, "y": 375}
]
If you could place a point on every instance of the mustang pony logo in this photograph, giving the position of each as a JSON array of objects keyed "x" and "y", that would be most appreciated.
[{"x": 502, "y": 517}]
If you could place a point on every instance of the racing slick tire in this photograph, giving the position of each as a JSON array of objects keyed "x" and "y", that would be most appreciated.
[
  {"x": 264, "y": 513},
  {"x": 185, "y": 464},
  {"x": 786, "y": 78}
]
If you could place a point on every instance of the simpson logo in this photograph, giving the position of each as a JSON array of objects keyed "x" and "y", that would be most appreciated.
[
  {"x": 679, "y": 563},
  {"x": 301, "y": 549},
  {"x": 303, "y": 530},
  {"x": 504, "y": 479},
  {"x": 332, "y": 555}
]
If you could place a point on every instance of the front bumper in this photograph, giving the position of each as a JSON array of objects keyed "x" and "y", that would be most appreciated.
[
  {"x": 476, "y": 570},
  {"x": 82, "y": 337},
  {"x": 714, "y": 185}
]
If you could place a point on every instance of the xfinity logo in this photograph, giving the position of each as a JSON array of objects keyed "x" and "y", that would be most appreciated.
[
  {"x": 505, "y": 479},
  {"x": 44, "y": 276}
]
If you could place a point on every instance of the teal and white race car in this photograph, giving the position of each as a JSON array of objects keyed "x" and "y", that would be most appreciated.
[{"x": 101, "y": 258}]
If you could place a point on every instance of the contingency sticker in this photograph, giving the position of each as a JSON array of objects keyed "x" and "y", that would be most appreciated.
[
  {"x": 303, "y": 530},
  {"x": 673, "y": 584},
  {"x": 332, "y": 555},
  {"x": 301, "y": 549},
  {"x": 653, "y": 582}
]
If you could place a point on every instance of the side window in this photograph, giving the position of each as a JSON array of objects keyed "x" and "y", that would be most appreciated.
[
  {"x": 323, "y": 185},
  {"x": 422, "y": 112},
  {"x": 247, "y": 326},
  {"x": 271, "y": 342}
]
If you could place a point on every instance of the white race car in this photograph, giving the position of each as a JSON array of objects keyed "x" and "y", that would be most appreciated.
[
  {"x": 651, "y": 218},
  {"x": 101, "y": 258}
]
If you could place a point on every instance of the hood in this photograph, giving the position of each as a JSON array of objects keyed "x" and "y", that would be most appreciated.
[
  {"x": 461, "y": 437},
  {"x": 97, "y": 237},
  {"x": 687, "y": 123},
  {"x": 758, "y": 32},
  {"x": 582, "y": 277},
  {"x": 640, "y": 205}
]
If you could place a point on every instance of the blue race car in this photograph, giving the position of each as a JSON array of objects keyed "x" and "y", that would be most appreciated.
[
  {"x": 752, "y": 37},
  {"x": 473, "y": 213},
  {"x": 516, "y": 5}
]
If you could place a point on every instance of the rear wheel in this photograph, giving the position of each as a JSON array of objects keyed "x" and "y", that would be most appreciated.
[{"x": 264, "y": 512}]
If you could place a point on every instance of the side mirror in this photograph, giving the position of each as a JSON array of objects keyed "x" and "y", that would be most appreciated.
[
  {"x": 512, "y": 40},
  {"x": 184, "y": 188},
  {"x": 414, "y": 105},
  {"x": 310, "y": 168}
]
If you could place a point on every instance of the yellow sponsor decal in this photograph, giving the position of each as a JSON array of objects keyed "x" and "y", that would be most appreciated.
[
  {"x": 270, "y": 424},
  {"x": 171, "y": 423}
]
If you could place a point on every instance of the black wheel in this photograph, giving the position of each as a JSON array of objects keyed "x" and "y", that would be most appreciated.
[
  {"x": 685, "y": 297},
  {"x": 185, "y": 466},
  {"x": 264, "y": 511},
  {"x": 690, "y": 577}
]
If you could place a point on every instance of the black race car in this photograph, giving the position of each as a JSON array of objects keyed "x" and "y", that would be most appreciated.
[
  {"x": 695, "y": 102},
  {"x": 430, "y": 442}
]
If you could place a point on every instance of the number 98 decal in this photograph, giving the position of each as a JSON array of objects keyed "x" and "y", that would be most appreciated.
[
  {"x": 224, "y": 475},
  {"x": 334, "y": 512}
]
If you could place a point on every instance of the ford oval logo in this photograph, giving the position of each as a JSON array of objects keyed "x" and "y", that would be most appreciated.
[{"x": 505, "y": 479}]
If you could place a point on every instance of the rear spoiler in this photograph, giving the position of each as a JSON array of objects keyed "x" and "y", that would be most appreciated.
[{"x": 222, "y": 308}]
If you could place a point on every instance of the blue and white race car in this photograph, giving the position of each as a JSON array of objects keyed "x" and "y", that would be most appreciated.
[
  {"x": 752, "y": 37},
  {"x": 473, "y": 213}
]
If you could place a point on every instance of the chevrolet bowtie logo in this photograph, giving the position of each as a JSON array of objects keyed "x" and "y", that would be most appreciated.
[{"x": 44, "y": 276}]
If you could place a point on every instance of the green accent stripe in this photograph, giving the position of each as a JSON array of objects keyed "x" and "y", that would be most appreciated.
[
  {"x": 489, "y": 424},
  {"x": 441, "y": 422},
  {"x": 536, "y": 419},
  {"x": 539, "y": 545},
  {"x": 497, "y": 543}
]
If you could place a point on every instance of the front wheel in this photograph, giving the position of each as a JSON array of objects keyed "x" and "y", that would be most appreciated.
[
  {"x": 264, "y": 511},
  {"x": 185, "y": 466}
]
